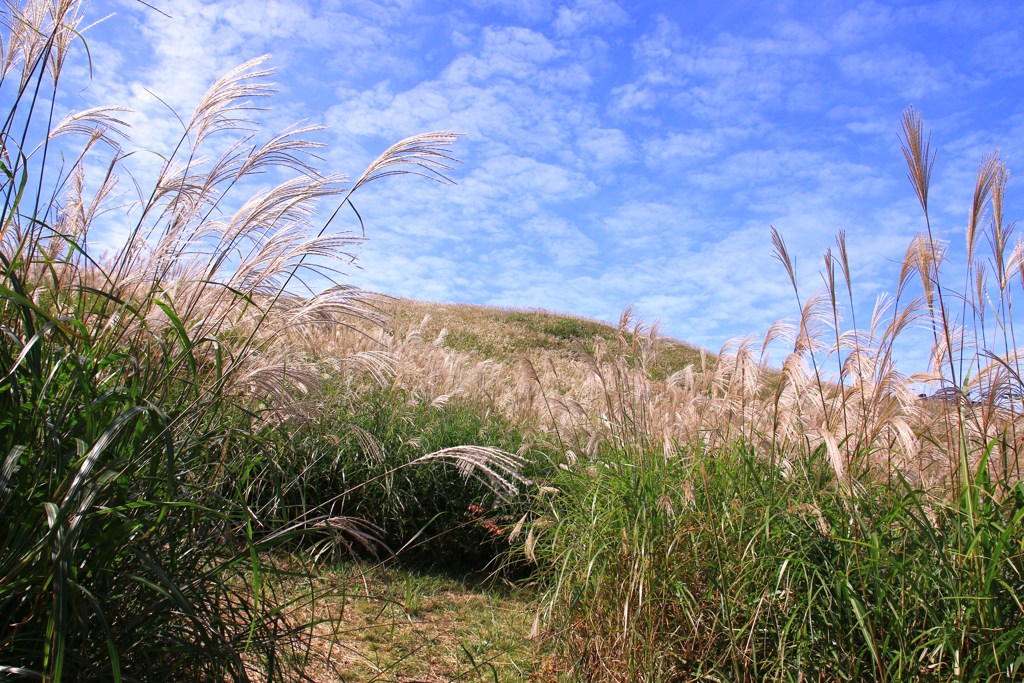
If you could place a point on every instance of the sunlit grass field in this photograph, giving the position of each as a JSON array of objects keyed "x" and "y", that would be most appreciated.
[{"x": 221, "y": 462}]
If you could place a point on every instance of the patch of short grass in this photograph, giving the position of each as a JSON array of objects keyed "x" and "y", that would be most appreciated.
[
  {"x": 508, "y": 335},
  {"x": 390, "y": 623}
]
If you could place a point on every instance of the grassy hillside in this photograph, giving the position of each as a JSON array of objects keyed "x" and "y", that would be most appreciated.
[{"x": 508, "y": 334}]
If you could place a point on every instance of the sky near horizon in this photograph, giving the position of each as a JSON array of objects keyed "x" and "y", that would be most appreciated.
[{"x": 614, "y": 154}]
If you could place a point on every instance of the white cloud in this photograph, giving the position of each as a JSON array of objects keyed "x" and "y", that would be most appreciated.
[
  {"x": 683, "y": 148},
  {"x": 657, "y": 226},
  {"x": 586, "y": 15},
  {"x": 903, "y": 73},
  {"x": 862, "y": 119},
  {"x": 517, "y": 184},
  {"x": 529, "y": 11},
  {"x": 1000, "y": 55},
  {"x": 731, "y": 78},
  {"x": 606, "y": 147},
  {"x": 507, "y": 52},
  {"x": 567, "y": 246},
  {"x": 866, "y": 22},
  {"x": 633, "y": 97}
]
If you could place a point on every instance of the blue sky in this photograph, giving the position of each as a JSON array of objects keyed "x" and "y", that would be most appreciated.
[{"x": 614, "y": 154}]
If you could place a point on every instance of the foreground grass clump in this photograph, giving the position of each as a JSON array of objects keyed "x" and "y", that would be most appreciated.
[
  {"x": 137, "y": 390},
  {"x": 733, "y": 566}
]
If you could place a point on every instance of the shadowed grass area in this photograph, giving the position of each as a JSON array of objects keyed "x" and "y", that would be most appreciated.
[{"x": 370, "y": 447}]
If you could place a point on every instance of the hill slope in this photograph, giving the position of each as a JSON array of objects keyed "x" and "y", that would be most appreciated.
[{"x": 506, "y": 334}]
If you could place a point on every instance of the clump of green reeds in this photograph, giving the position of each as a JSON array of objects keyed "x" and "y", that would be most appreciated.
[
  {"x": 818, "y": 523},
  {"x": 139, "y": 390},
  {"x": 726, "y": 566}
]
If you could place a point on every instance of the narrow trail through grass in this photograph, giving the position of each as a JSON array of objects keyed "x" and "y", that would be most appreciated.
[{"x": 395, "y": 624}]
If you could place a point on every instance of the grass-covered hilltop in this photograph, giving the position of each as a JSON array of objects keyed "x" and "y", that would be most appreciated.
[{"x": 218, "y": 461}]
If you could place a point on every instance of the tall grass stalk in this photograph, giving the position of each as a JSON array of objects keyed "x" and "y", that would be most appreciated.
[{"x": 137, "y": 389}]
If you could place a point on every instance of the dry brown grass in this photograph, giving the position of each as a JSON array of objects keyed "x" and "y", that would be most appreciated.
[{"x": 577, "y": 384}]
